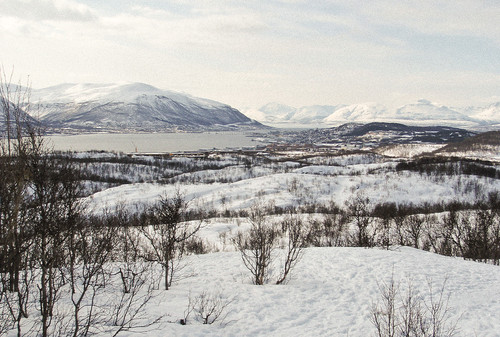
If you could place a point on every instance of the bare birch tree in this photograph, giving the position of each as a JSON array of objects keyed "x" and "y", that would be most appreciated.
[{"x": 167, "y": 233}]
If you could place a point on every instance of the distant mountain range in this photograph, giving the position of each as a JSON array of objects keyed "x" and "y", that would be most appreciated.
[
  {"x": 139, "y": 107},
  {"x": 130, "y": 107},
  {"x": 423, "y": 112}
]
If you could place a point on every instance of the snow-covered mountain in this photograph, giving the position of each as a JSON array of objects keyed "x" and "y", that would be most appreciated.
[
  {"x": 277, "y": 112},
  {"x": 314, "y": 113},
  {"x": 14, "y": 115},
  {"x": 422, "y": 112},
  {"x": 489, "y": 113},
  {"x": 426, "y": 110},
  {"x": 356, "y": 113},
  {"x": 131, "y": 107}
]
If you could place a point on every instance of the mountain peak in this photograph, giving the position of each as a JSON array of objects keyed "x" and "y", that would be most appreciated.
[
  {"x": 421, "y": 112},
  {"x": 80, "y": 92},
  {"x": 279, "y": 111},
  {"x": 131, "y": 106}
]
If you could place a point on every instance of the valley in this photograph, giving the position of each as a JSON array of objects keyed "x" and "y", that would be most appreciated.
[
  {"x": 131, "y": 221},
  {"x": 335, "y": 284},
  {"x": 243, "y": 168}
]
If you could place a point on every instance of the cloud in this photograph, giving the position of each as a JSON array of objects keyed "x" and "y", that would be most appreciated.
[
  {"x": 307, "y": 52},
  {"x": 164, "y": 28},
  {"x": 438, "y": 17},
  {"x": 47, "y": 10}
]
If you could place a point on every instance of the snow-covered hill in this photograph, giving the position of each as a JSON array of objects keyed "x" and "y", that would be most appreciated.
[
  {"x": 331, "y": 293},
  {"x": 276, "y": 112},
  {"x": 279, "y": 113},
  {"x": 356, "y": 112},
  {"x": 426, "y": 110},
  {"x": 131, "y": 106},
  {"x": 422, "y": 112},
  {"x": 489, "y": 113}
]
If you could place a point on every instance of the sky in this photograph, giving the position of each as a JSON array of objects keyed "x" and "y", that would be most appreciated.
[{"x": 247, "y": 53}]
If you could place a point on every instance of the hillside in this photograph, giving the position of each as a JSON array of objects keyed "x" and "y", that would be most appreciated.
[
  {"x": 374, "y": 134},
  {"x": 338, "y": 280},
  {"x": 491, "y": 138},
  {"x": 331, "y": 290},
  {"x": 484, "y": 145},
  {"x": 331, "y": 293},
  {"x": 131, "y": 107},
  {"x": 25, "y": 119}
]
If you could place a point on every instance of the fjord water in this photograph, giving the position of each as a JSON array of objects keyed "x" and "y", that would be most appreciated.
[{"x": 151, "y": 142}]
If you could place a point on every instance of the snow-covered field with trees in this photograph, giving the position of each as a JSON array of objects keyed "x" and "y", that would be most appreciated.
[
  {"x": 289, "y": 182},
  {"x": 361, "y": 244},
  {"x": 331, "y": 293}
]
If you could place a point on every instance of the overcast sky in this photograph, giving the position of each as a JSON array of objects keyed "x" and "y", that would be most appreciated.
[{"x": 247, "y": 53}]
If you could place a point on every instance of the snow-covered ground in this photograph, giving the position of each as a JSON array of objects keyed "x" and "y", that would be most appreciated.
[
  {"x": 332, "y": 290},
  {"x": 485, "y": 152},
  {"x": 311, "y": 184},
  {"x": 331, "y": 293},
  {"x": 408, "y": 150}
]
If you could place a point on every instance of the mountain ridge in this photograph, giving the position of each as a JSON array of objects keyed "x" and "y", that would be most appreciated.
[
  {"x": 422, "y": 112},
  {"x": 140, "y": 107},
  {"x": 132, "y": 106}
]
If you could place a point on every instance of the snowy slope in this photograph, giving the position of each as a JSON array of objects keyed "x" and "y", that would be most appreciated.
[
  {"x": 132, "y": 106},
  {"x": 489, "y": 113},
  {"x": 318, "y": 183},
  {"x": 24, "y": 118},
  {"x": 314, "y": 113},
  {"x": 356, "y": 113},
  {"x": 426, "y": 110},
  {"x": 331, "y": 293},
  {"x": 113, "y": 92},
  {"x": 276, "y": 112}
]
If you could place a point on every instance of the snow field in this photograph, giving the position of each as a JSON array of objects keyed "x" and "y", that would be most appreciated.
[
  {"x": 305, "y": 185},
  {"x": 332, "y": 290},
  {"x": 331, "y": 293}
]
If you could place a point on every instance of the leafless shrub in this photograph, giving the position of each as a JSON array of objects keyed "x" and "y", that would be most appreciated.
[
  {"x": 16, "y": 305},
  {"x": 437, "y": 322},
  {"x": 400, "y": 223},
  {"x": 167, "y": 234},
  {"x": 196, "y": 245},
  {"x": 188, "y": 311},
  {"x": 257, "y": 245},
  {"x": 295, "y": 235},
  {"x": 414, "y": 227},
  {"x": 90, "y": 246},
  {"x": 405, "y": 313},
  {"x": 19, "y": 140},
  {"x": 209, "y": 308},
  {"x": 441, "y": 237},
  {"x": 330, "y": 231},
  {"x": 384, "y": 316},
  {"x": 359, "y": 212},
  {"x": 127, "y": 311}
]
